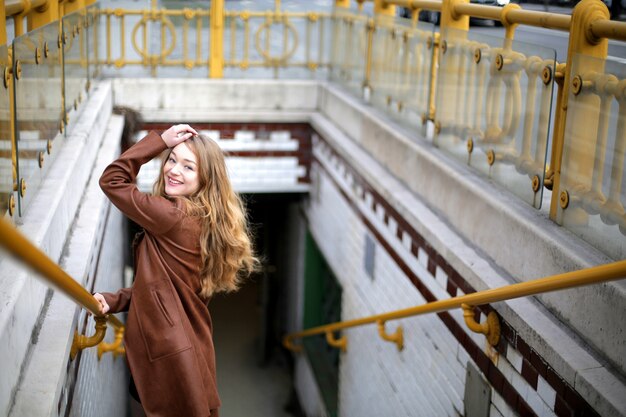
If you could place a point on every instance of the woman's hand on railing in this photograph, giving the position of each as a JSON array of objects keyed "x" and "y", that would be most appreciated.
[{"x": 104, "y": 307}]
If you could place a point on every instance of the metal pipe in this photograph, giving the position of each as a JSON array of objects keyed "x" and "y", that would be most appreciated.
[
  {"x": 605, "y": 28},
  {"x": 16, "y": 244},
  {"x": 608, "y": 29},
  {"x": 526, "y": 17},
  {"x": 416, "y": 4},
  {"x": 15, "y": 7},
  {"x": 539, "y": 19},
  {"x": 595, "y": 275}
]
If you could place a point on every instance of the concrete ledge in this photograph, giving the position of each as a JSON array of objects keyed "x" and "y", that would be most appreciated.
[
  {"x": 217, "y": 100},
  {"x": 46, "y": 223}
]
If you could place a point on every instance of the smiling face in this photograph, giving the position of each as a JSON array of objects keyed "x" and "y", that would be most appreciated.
[{"x": 180, "y": 172}]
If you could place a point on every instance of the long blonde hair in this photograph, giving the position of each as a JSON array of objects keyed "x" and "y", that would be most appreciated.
[{"x": 225, "y": 246}]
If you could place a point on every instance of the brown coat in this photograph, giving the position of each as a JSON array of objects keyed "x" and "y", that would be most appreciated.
[{"x": 168, "y": 339}]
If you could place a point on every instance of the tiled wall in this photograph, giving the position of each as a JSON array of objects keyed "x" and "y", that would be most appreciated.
[{"x": 428, "y": 377}]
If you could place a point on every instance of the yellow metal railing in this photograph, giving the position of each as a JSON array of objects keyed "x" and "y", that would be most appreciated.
[
  {"x": 491, "y": 328},
  {"x": 18, "y": 246},
  {"x": 488, "y": 100},
  {"x": 490, "y": 106}
]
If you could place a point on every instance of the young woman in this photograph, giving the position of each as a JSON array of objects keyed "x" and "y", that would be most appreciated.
[{"x": 195, "y": 245}]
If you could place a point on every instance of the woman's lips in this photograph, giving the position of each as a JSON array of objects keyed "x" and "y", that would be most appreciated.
[{"x": 171, "y": 181}]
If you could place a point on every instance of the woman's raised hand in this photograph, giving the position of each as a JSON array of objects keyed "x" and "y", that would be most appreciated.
[
  {"x": 104, "y": 307},
  {"x": 177, "y": 134}
]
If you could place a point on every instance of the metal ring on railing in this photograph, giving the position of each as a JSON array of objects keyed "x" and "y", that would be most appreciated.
[
  {"x": 11, "y": 205},
  {"x": 144, "y": 52},
  {"x": 18, "y": 69},
  {"x": 546, "y": 75},
  {"x": 477, "y": 55},
  {"x": 564, "y": 199},
  {"x": 535, "y": 183},
  {"x": 265, "y": 54},
  {"x": 7, "y": 76}
]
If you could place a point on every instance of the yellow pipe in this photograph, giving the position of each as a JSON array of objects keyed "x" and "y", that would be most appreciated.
[
  {"x": 417, "y": 4},
  {"x": 3, "y": 19},
  {"x": 341, "y": 343},
  {"x": 383, "y": 8},
  {"x": 527, "y": 17},
  {"x": 368, "y": 54},
  {"x": 611, "y": 29},
  {"x": 595, "y": 275},
  {"x": 581, "y": 41},
  {"x": 216, "y": 60},
  {"x": 490, "y": 328},
  {"x": 397, "y": 337},
  {"x": 81, "y": 342},
  {"x": 104, "y": 347},
  {"x": 15, "y": 7},
  {"x": 432, "y": 91},
  {"x": 17, "y": 245}
]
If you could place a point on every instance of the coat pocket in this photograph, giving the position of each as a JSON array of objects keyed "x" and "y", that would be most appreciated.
[{"x": 160, "y": 321}]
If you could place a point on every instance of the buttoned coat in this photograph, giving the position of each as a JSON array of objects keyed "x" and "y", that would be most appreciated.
[{"x": 168, "y": 338}]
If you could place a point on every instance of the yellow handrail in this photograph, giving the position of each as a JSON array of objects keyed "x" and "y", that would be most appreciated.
[
  {"x": 15, "y": 7},
  {"x": 595, "y": 275},
  {"x": 601, "y": 28},
  {"x": 17, "y": 245}
]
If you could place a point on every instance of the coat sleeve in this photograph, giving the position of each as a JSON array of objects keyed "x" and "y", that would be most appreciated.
[
  {"x": 118, "y": 301},
  {"x": 155, "y": 214}
]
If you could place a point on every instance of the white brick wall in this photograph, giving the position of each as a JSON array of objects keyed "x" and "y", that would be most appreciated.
[
  {"x": 428, "y": 377},
  {"x": 375, "y": 379}
]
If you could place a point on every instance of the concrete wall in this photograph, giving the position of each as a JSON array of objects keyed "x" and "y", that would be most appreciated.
[{"x": 69, "y": 218}]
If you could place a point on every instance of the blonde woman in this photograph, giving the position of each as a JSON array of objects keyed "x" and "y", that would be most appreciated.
[{"x": 195, "y": 244}]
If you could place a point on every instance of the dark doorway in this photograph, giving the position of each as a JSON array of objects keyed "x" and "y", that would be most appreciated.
[{"x": 252, "y": 366}]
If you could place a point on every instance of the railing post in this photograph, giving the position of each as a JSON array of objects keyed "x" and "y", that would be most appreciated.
[
  {"x": 449, "y": 20},
  {"x": 43, "y": 15},
  {"x": 370, "y": 28},
  {"x": 72, "y": 6},
  {"x": 583, "y": 41},
  {"x": 381, "y": 8},
  {"x": 216, "y": 63},
  {"x": 3, "y": 22}
]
